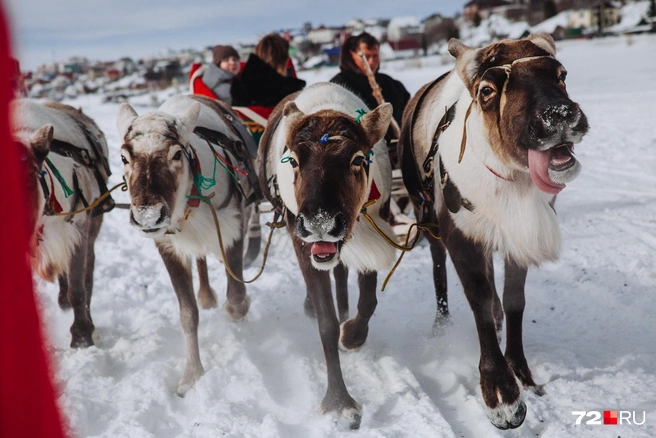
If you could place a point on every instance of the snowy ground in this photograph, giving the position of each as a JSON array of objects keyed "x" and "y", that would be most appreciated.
[{"x": 589, "y": 324}]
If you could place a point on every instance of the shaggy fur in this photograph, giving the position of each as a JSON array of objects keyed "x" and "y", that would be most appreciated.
[
  {"x": 323, "y": 186},
  {"x": 511, "y": 107},
  {"x": 62, "y": 247},
  {"x": 159, "y": 176}
]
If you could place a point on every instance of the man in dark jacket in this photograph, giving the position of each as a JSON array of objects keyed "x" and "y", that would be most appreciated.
[
  {"x": 263, "y": 81},
  {"x": 354, "y": 78}
]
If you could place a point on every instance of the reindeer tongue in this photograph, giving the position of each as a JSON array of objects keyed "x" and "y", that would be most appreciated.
[
  {"x": 538, "y": 164},
  {"x": 323, "y": 248}
]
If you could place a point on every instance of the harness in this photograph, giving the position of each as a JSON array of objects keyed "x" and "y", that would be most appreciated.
[
  {"x": 422, "y": 186},
  {"x": 245, "y": 150},
  {"x": 82, "y": 157}
]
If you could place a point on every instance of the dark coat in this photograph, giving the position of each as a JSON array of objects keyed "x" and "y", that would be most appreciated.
[
  {"x": 393, "y": 91},
  {"x": 259, "y": 84}
]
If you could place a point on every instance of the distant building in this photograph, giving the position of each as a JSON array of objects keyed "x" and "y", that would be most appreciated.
[
  {"x": 589, "y": 18},
  {"x": 481, "y": 7},
  {"x": 325, "y": 35},
  {"x": 438, "y": 28},
  {"x": 405, "y": 33}
]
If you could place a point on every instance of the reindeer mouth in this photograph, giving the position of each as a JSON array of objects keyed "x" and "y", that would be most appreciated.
[
  {"x": 549, "y": 168},
  {"x": 324, "y": 252}
]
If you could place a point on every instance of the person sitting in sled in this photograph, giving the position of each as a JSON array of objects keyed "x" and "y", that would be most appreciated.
[
  {"x": 263, "y": 80},
  {"x": 218, "y": 76}
]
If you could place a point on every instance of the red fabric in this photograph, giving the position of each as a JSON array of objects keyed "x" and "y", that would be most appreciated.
[{"x": 27, "y": 398}]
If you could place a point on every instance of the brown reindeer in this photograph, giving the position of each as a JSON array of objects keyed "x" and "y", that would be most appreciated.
[
  {"x": 487, "y": 169},
  {"x": 65, "y": 155},
  {"x": 322, "y": 162},
  {"x": 169, "y": 160}
]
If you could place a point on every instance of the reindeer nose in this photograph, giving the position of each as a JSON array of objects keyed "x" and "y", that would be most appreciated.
[
  {"x": 150, "y": 213},
  {"x": 559, "y": 117},
  {"x": 321, "y": 225}
]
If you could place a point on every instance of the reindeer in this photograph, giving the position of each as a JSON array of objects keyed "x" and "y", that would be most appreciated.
[
  {"x": 498, "y": 131},
  {"x": 173, "y": 162},
  {"x": 64, "y": 154},
  {"x": 321, "y": 159}
]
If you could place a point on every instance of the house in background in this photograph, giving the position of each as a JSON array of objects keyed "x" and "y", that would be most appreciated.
[
  {"x": 589, "y": 18},
  {"x": 481, "y": 7},
  {"x": 406, "y": 36}
]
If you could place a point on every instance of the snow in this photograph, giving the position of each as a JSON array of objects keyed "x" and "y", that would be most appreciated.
[
  {"x": 589, "y": 328},
  {"x": 631, "y": 15},
  {"x": 549, "y": 25}
]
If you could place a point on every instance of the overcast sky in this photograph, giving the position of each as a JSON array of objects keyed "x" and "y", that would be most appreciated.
[{"x": 47, "y": 30}]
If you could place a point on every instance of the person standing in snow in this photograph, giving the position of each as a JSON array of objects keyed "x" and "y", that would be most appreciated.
[
  {"x": 263, "y": 81},
  {"x": 353, "y": 76},
  {"x": 221, "y": 72}
]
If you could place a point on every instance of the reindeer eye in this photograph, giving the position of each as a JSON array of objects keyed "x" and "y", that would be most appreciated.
[
  {"x": 177, "y": 156},
  {"x": 562, "y": 76},
  {"x": 124, "y": 160},
  {"x": 293, "y": 162},
  {"x": 357, "y": 161},
  {"x": 487, "y": 91}
]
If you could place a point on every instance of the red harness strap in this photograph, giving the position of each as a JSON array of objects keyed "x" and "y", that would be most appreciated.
[
  {"x": 194, "y": 197},
  {"x": 53, "y": 204}
]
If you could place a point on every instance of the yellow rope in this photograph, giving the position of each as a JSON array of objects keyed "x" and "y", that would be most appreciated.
[
  {"x": 272, "y": 225},
  {"x": 124, "y": 187},
  {"x": 406, "y": 248}
]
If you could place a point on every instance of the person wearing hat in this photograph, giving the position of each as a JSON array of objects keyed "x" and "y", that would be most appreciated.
[{"x": 220, "y": 73}]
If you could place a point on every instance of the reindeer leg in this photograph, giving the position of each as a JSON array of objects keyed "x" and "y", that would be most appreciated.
[
  {"x": 438, "y": 254},
  {"x": 341, "y": 291},
  {"x": 238, "y": 302},
  {"x": 206, "y": 295},
  {"x": 82, "y": 328},
  {"x": 62, "y": 298},
  {"x": 355, "y": 331},
  {"x": 337, "y": 398},
  {"x": 180, "y": 273},
  {"x": 497, "y": 308},
  {"x": 96, "y": 223},
  {"x": 513, "y": 304},
  {"x": 502, "y": 396}
]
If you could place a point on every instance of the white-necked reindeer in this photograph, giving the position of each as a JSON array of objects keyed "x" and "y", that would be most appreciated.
[
  {"x": 65, "y": 156},
  {"x": 497, "y": 157},
  {"x": 168, "y": 167},
  {"x": 328, "y": 159}
]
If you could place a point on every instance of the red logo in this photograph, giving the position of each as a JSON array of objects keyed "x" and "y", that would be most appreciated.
[{"x": 610, "y": 417}]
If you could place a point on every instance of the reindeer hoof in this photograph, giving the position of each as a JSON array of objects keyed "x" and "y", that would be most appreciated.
[
  {"x": 82, "y": 335},
  {"x": 348, "y": 412},
  {"x": 63, "y": 302},
  {"x": 239, "y": 311},
  {"x": 507, "y": 416},
  {"x": 207, "y": 298},
  {"x": 189, "y": 378},
  {"x": 352, "y": 335},
  {"x": 309, "y": 308},
  {"x": 440, "y": 325}
]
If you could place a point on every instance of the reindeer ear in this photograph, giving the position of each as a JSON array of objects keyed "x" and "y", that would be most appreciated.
[
  {"x": 465, "y": 63},
  {"x": 189, "y": 120},
  {"x": 126, "y": 115},
  {"x": 377, "y": 122},
  {"x": 41, "y": 141},
  {"x": 544, "y": 41},
  {"x": 291, "y": 109}
]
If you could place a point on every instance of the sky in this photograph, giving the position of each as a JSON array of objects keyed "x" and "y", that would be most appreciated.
[{"x": 49, "y": 30}]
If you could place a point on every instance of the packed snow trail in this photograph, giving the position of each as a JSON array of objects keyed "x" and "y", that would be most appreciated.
[{"x": 589, "y": 329}]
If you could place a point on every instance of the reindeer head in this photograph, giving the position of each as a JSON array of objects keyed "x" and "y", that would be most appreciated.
[
  {"x": 33, "y": 148},
  {"x": 520, "y": 99},
  {"x": 157, "y": 174},
  {"x": 327, "y": 159}
]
